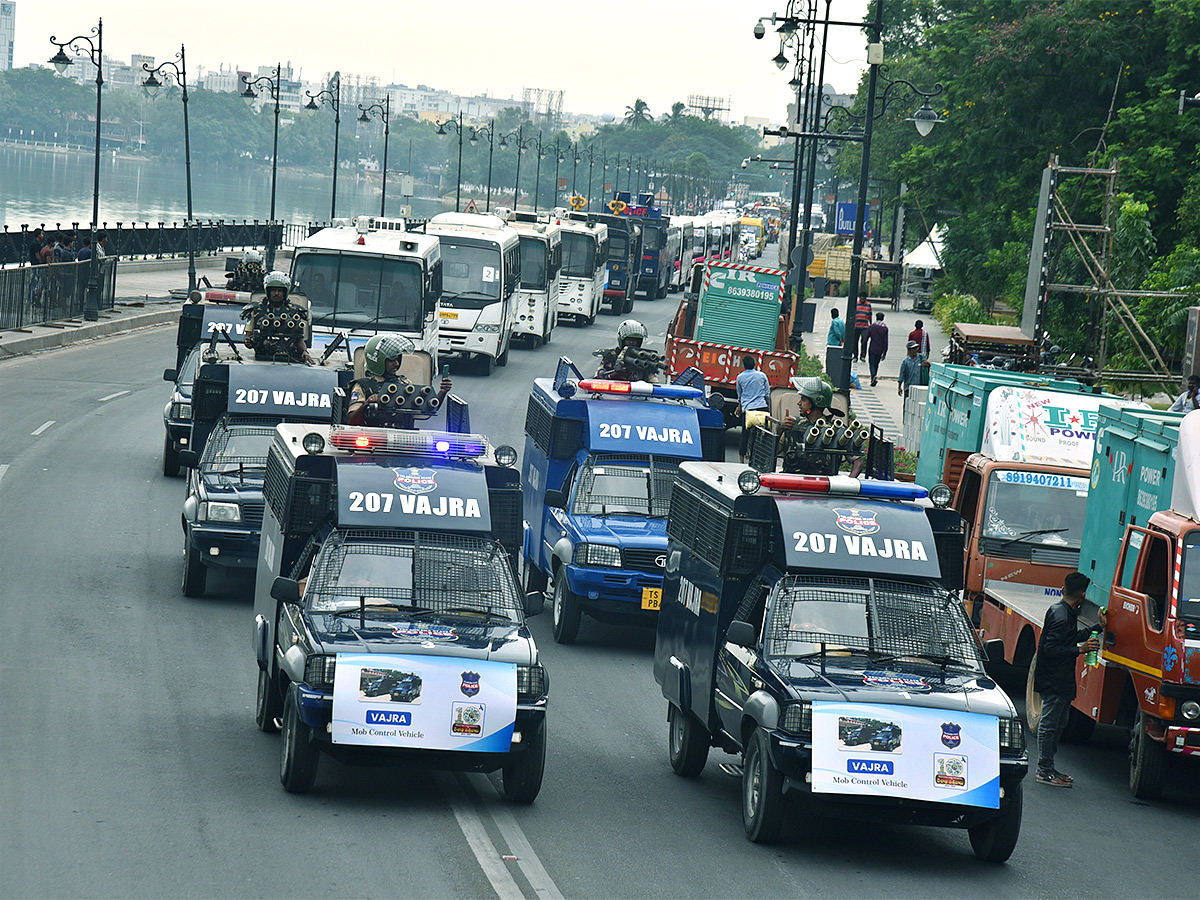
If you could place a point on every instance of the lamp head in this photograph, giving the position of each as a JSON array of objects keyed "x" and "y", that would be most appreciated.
[
  {"x": 364, "y": 117},
  {"x": 441, "y": 129},
  {"x": 152, "y": 85},
  {"x": 248, "y": 94},
  {"x": 61, "y": 61},
  {"x": 311, "y": 104},
  {"x": 780, "y": 60},
  {"x": 925, "y": 118}
]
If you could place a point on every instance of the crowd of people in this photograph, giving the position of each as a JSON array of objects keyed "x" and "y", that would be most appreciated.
[{"x": 65, "y": 248}]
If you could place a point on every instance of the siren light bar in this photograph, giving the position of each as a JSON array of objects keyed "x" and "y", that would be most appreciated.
[
  {"x": 389, "y": 440},
  {"x": 842, "y": 484},
  {"x": 641, "y": 389}
]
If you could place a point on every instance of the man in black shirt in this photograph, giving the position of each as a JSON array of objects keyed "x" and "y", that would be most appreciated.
[{"x": 1054, "y": 678}]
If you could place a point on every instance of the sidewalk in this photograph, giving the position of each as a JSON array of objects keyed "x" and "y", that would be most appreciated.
[{"x": 880, "y": 405}]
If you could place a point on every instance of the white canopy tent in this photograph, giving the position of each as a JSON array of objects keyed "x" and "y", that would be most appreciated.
[{"x": 928, "y": 254}]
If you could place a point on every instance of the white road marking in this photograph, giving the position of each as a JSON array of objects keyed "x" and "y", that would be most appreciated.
[
  {"x": 42, "y": 428},
  {"x": 3, "y": 469},
  {"x": 113, "y": 396},
  {"x": 539, "y": 879},
  {"x": 481, "y": 844}
]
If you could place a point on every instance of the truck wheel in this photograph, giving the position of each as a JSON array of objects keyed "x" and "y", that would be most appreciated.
[
  {"x": 268, "y": 705},
  {"x": 687, "y": 742},
  {"x": 762, "y": 792},
  {"x": 1147, "y": 761},
  {"x": 298, "y": 754},
  {"x": 502, "y": 359},
  {"x": 195, "y": 575},
  {"x": 995, "y": 839},
  {"x": 627, "y": 306},
  {"x": 549, "y": 332},
  {"x": 662, "y": 291},
  {"x": 566, "y": 611},
  {"x": 487, "y": 364},
  {"x": 1079, "y": 727},
  {"x": 522, "y": 778},
  {"x": 170, "y": 462},
  {"x": 1033, "y": 700}
]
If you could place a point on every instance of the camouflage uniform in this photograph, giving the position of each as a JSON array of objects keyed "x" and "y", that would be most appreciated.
[{"x": 275, "y": 345}]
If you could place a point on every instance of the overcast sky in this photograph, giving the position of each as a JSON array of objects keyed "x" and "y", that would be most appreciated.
[{"x": 603, "y": 54}]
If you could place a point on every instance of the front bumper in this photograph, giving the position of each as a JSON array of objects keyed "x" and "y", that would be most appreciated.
[
  {"x": 575, "y": 301},
  {"x": 179, "y": 433},
  {"x": 463, "y": 342},
  {"x": 224, "y": 546},
  {"x": 613, "y": 592},
  {"x": 1183, "y": 740}
]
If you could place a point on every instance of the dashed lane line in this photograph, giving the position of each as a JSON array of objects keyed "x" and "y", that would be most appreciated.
[
  {"x": 37, "y": 431},
  {"x": 112, "y": 396},
  {"x": 486, "y": 854}
]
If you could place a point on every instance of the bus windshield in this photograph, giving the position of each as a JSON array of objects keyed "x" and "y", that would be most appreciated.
[
  {"x": 470, "y": 274},
  {"x": 579, "y": 255},
  {"x": 349, "y": 291},
  {"x": 534, "y": 258}
]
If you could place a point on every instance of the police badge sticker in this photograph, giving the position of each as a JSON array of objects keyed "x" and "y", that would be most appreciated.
[
  {"x": 951, "y": 734},
  {"x": 466, "y": 719},
  {"x": 416, "y": 481},
  {"x": 470, "y": 684},
  {"x": 856, "y": 521}
]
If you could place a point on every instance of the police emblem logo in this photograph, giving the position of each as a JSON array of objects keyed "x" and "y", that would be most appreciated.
[
  {"x": 470, "y": 683},
  {"x": 950, "y": 771},
  {"x": 467, "y": 719},
  {"x": 856, "y": 521},
  {"x": 951, "y": 734},
  {"x": 416, "y": 481}
]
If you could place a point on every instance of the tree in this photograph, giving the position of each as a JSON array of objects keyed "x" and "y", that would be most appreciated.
[
  {"x": 639, "y": 114},
  {"x": 676, "y": 113}
]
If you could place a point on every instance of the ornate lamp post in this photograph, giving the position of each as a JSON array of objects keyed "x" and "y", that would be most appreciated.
[
  {"x": 249, "y": 95},
  {"x": 178, "y": 72},
  {"x": 93, "y": 49},
  {"x": 537, "y": 178},
  {"x": 455, "y": 122},
  {"x": 559, "y": 159},
  {"x": 521, "y": 143},
  {"x": 487, "y": 131},
  {"x": 385, "y": 114},
  {"x": 333, "y": 96},
  {"x": 591, "y": 155}
]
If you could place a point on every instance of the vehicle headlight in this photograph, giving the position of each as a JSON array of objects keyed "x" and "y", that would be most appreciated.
[
  {"x": 940, "y": 495},
  {"x": 318, "y": 671},
  {"x": 220, "y": 512},
  {"x": 797, "y": 718},
  {"x": 598, "y": 555},
  {"x": 487, "y": 328},
  {"x": 181, "y": 411},
  {"x": 1190, "y": 710},
  {"x": 1012, "y": 737},
  {"x": 532, "y": 682}
]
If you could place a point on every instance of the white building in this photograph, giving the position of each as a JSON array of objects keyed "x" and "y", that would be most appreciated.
[{"x": 8, "y": 31}]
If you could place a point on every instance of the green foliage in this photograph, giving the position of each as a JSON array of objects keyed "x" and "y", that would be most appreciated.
[
  {"x": 1133, "y": 243},
  {"x": 808, "y": 365},
  {"x": 950, "y": 309}
]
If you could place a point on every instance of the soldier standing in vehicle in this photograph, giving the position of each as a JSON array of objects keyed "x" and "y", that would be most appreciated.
[
  {"x": 815, "y": 397},
  {"x": 277, "y": 328},
  {"x": 249, "y": 275},
  {"x": 613, "y": 364},
  {"x": 383, "y": 355}
]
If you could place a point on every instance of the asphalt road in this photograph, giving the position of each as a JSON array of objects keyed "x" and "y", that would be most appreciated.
[{"x": 131, "y": 766}]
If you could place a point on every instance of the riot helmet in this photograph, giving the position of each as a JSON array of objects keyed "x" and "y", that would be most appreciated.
[
  {"x": 819, "y": 394},
  {"x": 382, "y": 347},
  {"x": 630, "y": 328},
  {"x": 277, "y": 280},
  {"x": 253, "y": 256}
]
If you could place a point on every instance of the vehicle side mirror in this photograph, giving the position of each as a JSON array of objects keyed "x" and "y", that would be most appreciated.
[
  {"x": 742, "y": 634},
  {"x": 556, "y": 499},
  {"x": 993, "y": 650},
  {"x": 535, "y": 602},
  {"x": 285, "y": 590},
  {"x": 189, "y": 459},
  {"x": 169, "y": 375}
]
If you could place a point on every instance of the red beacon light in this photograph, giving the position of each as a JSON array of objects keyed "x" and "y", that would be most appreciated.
[
  {"x": 845, "y": 485},
  {"x": 641, "y": 389}
]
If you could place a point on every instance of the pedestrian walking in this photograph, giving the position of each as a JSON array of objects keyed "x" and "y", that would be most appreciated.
[
  {"x": 910, "y": 370},
  {"x": 837, "y": 330},
  {"x": 921, "y": 336},
  {"x": 753, "y": 391},
  {"x": 862, "y": 323},
  {"x": 877, "y": 345},
  {"x": 1054, "y": 676}
]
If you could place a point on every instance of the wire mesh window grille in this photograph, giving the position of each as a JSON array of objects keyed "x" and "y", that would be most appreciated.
[
  {"x": 235, "y": 445},
  {"x": 611, "y": 484}
]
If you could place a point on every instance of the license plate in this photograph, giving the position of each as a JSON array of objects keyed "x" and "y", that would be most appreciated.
[
  {"x": 651, "y": 598},
  {"x": 448, "y": 315}
]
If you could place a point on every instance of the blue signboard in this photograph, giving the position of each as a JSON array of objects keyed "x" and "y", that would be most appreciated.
[
  {"x": 293, "y": 392},
  {"x": 392, "y": 492},
  {"x": 844, "y": 218},
  {"x": 223, "y": 317},
  {"x": 632, "y": 426}
]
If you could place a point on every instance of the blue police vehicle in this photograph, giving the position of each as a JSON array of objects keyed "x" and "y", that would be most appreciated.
[
  {"x": 389, "y": 627},
  {"x": 811, "y": 624},
  {"x": 600, "y": 460}
]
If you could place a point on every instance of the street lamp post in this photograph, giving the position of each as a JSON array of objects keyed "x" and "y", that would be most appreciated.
[
  {"x": 522, "y": 142},
  {"x": 385, "y": 113},
  {"x": 249, "y": 95},
  {"x": 84, "y": 45},
  {"x": 537, "y": 178},
  {"x": 590, "y": 152},
  {"x": 488, "y": 130},
  {"x": 455, "y": 122},
  {"x": 575, "y": 157},
  {"x": 559, "y": 158},
  {"x": 178, "y": 71},
  {"x": 332, "y": 96}
]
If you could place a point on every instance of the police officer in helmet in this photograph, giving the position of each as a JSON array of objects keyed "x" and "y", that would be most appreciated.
[
  {"x": 277, "y": 328},
  {"x": 815, "y": 397},
  {"x": 613, "y": 362},
  {"x": 382, "y": 361},
  {"x": 249, "y": 274}
]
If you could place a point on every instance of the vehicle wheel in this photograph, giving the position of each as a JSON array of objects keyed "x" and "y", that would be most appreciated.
[
  {"x": 566, "y": 611},
  {"x": 269, "y": 704},
  {"x": 522, "y": 779},
  {"x": 995, "y": 839},
  {"x": 195, "y": 575},
  {"x": 535, "y": 578},
  {"x": 298, "y": 754},
  {"x": 662, "y": 291},
  {"x": 1079, "y": 727},
  {"x": 687, "y": 742},
  {"x": 1033, "y": 700},
  {"x": 170, "y": 462},
  {"x": 762, "y": 792},
  {"x": 487, "y": 364},
  {"x": 502, "y": 359},
  {"x": 548, "y": 333},
  {"x": 589, "y": 320},
  {"x": 1147, "y": 761},
  {"x": 627, "y": 307}
]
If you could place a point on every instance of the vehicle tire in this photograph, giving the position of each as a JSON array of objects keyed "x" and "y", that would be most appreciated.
[
  {"x": 662, "y": 291},
  {"x": 535, "y": 578},
  {"x": 487, "y": 364},
  {"x": 522, "y": 778},
  {"x": 549, "y": 333},
  {"x": 502, "y": 359},
  {"x": 1079, "y": 727},
  {"x": 1033, "y": 700},
  {"x": 995, "y": 839},
  {"x": 627, "y": 307},
  {"x": 687, "y": 742},
  {"x": 298, "y": 754},
  {"x": 1147, "y": 761},
  {"x": 589, "y": 320},
  {"x": 566, "y": 612},
  {"x": 170, "y": 460},
  {"x": 195, "y": 575},
  {"x": 762, "y": 792},
  {"x": 268, "y": 705}
]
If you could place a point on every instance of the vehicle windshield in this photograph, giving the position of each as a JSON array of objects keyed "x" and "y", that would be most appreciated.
[
  {"x": 535, "y": 256},
  {"x": 470, "y": 274},
  {"x": 231, "y": 448},
  {"x": 618, "y": 247},
  {"x": 579, "y": 255},
  {"x": 611, "y": 485},
  {"x": 413, "y": 571},
  {"x": 652, "y": 239},
  {"x": 187, "y": 372},
  {"x": 1039, "y": 508},
  {"x": 869, "y": 615},
  {"x": 348, "y": 291},
  {"x": 1189, "y": 579}
]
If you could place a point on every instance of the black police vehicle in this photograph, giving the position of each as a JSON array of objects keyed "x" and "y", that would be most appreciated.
[
  {"x": 392, "y": 552},
  {"x": 804, "y": 616}
]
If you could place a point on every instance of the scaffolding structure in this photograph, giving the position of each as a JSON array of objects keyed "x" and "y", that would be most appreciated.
[
  {"x": 545, "y": 104},
  {"x": 711, "y": 107}
]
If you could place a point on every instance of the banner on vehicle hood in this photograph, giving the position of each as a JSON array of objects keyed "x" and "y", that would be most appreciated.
[
  {"x": 394, "y": 493},
  {"x": 1024, "y": 424},
  {"x": 424, "y": 702},
  {"x": 636, "y": 426},
  {"x": 289, "y": 391}
]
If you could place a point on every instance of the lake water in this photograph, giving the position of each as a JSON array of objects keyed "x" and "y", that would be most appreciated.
[{"x": 41, "y": 186}]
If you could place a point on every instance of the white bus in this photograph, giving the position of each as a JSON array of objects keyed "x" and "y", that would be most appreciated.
[
  {"x": 481, "y": 268},
  {"x": 683, "y": 259},
  {"x": 541, "y": 262},
  {"x": 584, "y": 254}
]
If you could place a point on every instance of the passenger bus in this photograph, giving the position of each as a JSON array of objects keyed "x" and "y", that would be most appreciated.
[
  {"x": 541, "y": 262},
  {"x": 584, "y": 258},
  {"x": 683, "y": 258}
]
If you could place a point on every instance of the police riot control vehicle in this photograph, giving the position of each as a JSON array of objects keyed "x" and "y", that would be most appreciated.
[
  {"x": 237, "y": 402},
  {"x": 481, "y": 271},
  {"x": 584, "y": 267},
  {"x": 389, "y": 627},
  {"x": 811, "y": 625},
  {"x": 600, "y": 459},
  {"x": 540, "y": 285},
  {"x": 368, "y": 276}
]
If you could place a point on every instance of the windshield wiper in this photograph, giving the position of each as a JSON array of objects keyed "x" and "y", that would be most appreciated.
[
  {"x": 942, "y": 660},
  {"x": 470, "y": 295},
  {"x": 1025, "y": 534},
  {"x": 487, "y": 613}
]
